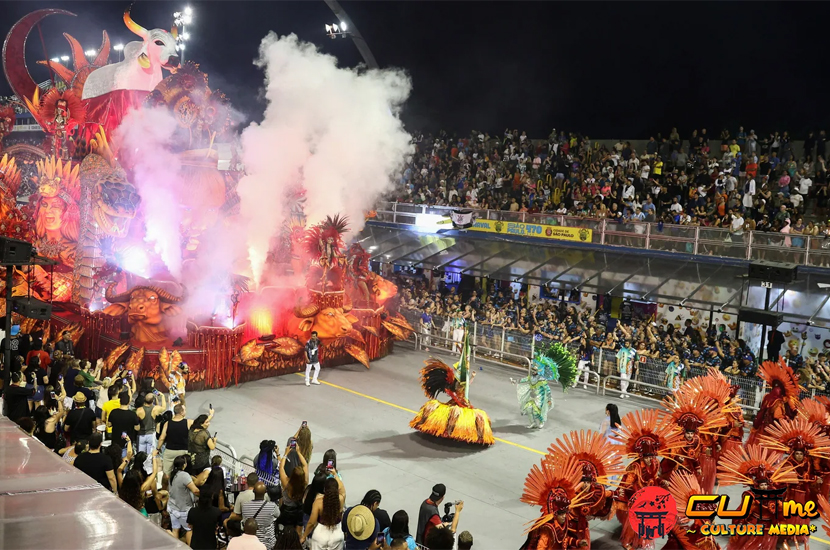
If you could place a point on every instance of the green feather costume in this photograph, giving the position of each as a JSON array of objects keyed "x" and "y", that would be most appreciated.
[{"x": 555, "y": 363}]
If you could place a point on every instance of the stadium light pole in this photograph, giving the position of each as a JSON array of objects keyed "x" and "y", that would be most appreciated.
[
  {"x": 349, "y": 29},
  {"x": 182, "y": 19}
]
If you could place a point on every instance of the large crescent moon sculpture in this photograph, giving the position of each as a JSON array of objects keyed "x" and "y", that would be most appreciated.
[{"x": 14, "y": 53}]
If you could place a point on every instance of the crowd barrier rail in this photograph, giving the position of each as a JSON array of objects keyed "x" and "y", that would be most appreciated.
[{"x": 805, "y": 250}]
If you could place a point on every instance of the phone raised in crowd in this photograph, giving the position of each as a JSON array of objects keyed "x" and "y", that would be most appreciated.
[
  {"x": 215, "y": 434},
  {"x": 330, "y": 465},
  {"x": 123, "y": 435},
  {"x": 293, "y": 443},
  {"x": 60, "y": 377},
  {"x": 305, "y": 423},
  {"x": 381, "y": 539}
]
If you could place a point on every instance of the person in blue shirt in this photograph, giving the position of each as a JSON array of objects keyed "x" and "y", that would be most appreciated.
[{"x": 400, "y": 530}]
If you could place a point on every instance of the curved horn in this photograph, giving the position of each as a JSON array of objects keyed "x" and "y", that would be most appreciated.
[
  {"x": 306, "y": 311},
  {"x": 117, "y": 299},
  {"x": 14, "y": 52},
  {"x": 104, "y": 52},
  {"x": 133, "y": 26},
  {"x": 164, "y": 296},
  {"x": 79, "y": 59}
]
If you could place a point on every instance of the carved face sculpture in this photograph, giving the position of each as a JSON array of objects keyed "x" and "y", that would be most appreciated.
[
  {"x": 160, "y": 47},
  {"x": 50, "y": 214}
]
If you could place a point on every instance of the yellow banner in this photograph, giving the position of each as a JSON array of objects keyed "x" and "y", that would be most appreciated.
[{"x": 538, "y": 230}]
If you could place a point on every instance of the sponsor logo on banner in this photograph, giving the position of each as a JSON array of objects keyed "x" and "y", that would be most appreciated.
[{"x": 520, "y": 229}]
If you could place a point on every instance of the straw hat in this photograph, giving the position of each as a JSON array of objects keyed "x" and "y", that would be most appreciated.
[
  {"x": 79, "y": 398},
  {"x": 360, "y": 522}
]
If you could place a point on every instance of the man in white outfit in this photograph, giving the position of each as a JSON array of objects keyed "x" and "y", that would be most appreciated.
[
  {"x": 312, "y": 356},
  {"x": 625, "y": 365}
]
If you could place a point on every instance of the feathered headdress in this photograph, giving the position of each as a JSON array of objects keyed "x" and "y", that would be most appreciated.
[
  {"x": 780, "y": 374},
  {"x": 598, "y": 457},
  {"x": 788, "y": 436},
  {"x": 331, "y": 228},
  {"x": 45, "y": 108},
  {"x": 557, "y": 363},
  {"x": 695, "y": 412},
  {"x": 753, "y": 464},
  {"x": 714, "y": 386},
  {"x": 553, "y": 487},
  {"x": 436, "y": 377},
  {"x": 647, "y": 433},
  {"x": 683, "y": 486},
  {"x": 9, "y": 177},
  {"x": 824, "y": 401},
  {"x": 814, "y": 411},
  {"x": 57, "y": 178},
  {"x": 824, "y": 512}
]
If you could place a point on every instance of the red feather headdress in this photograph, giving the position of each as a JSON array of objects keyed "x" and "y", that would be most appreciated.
[
  {"x": 754, "y": 464},
  {"x": 814, "y": 411},
  {"x": 647, "y": 432},
  {"x": 780, "y": 374},
  {"x": 695, "y": 412},
  {"x": 788, "y": 436},
  {"x": 553, "y": 487},
  {"x": 598, "y": 457}
]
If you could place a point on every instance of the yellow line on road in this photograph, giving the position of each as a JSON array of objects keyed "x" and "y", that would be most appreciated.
[{"x": 387, "y": 403}]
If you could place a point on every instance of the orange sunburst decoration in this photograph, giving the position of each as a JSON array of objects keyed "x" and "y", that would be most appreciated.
[
  {"x": 592, "y": 450},
  {"x": 824, "y": 512},
  {"x": 780, "y": 374},
  {"x": 793, "y": 435},
  {"x": 814, "y": 411},
  {"x": 714, "y": 385},
  {"x": 682, "y": 486},
  {"x": 753, "y": 463},
  {"x": 9, "y": 177},
  {"x": 553, "y": 488},
  {"x": 647, "y": 432},
  {"x": 695, "y": 412}
]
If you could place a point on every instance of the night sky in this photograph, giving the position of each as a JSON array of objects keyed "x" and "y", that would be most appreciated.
[{"x": 606, "y": 69}]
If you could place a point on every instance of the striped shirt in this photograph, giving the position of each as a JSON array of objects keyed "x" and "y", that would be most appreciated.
[{"x": 264, "y": 514}]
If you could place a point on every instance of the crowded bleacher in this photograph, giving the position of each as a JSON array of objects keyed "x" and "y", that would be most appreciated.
[{"x": 749, "y": 183}]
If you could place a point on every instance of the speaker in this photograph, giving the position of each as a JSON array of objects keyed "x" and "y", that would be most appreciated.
[
  {"x": 773, "y": 272},
  {"x": 760, "y": 317},
  {"x": 31, "y": 308},
  {"x": 15, "y": 252}
]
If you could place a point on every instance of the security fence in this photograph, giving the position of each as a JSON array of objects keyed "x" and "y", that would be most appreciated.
[{"x": 650, "y": 378}]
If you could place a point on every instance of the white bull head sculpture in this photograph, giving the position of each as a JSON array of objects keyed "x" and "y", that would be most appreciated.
[{"x": 142, "y": 64}]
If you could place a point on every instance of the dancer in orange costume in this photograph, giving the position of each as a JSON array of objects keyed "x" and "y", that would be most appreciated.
[
  {"x": 645, "y": 435},
  {"x": 780, "y": 402},
  {"x": 600, "y": 462},
  {"x": 760, "y": 470},
  {"x": 805, "y": 442},
  {"x": 721, "y": 428},
  {"x": 815, "y": 411},
  {"x": 686, "y": 535},
  {"x": 555, "y": 488}
]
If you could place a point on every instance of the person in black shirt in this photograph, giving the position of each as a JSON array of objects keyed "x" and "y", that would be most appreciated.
[
  {"x": 97, "y": 465},
  {"x": 65, "y": 345},
  {"x": 16, "y": 397},
  {"x": 123, "y": 421},
  {"x": 312, "y": 355},
  {"x": 80, "y": 420},
  {"x": 203, "y": 520}
]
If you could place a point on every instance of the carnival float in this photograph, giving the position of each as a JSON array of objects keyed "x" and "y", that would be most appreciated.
[{"x": 86, "y": 213}]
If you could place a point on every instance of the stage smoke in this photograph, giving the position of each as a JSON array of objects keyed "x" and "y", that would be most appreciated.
[
  {"x": 335, "y": 130},
  {"x": 145, "y": 136}
]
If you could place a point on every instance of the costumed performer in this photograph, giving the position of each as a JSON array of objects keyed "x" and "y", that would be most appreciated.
[
  {"x": 824, "y": 512},
  {"x": 601, "y": 463},
  {"x": 780, "y": 402},
  {"x": 555, "y": 488},
  {"x": 698, "y": 418},
  {"x": 456, "y": 419},
  {"x": 815, "y": 412},
  {"x": 555, "y": 363},
  {"x": 625, "y": 366},
  {"x": 803, "y": 442},
  {"x": 716, "y": 387},
  {"x": 760, "y": 470},
  {"x": 686, "y": 533},
  {"x": 645, "y": 436}
]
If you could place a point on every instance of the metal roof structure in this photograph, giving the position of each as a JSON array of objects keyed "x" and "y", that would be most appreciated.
[{"x": 634, "y": 274}]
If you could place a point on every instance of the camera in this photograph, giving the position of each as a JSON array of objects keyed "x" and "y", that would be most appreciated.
[{"x": 448, "y": 516}]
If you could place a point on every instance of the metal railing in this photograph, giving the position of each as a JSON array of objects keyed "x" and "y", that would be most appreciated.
[
  {"x": 649, "y": 377},
  {"x": 705, "y": 241}
]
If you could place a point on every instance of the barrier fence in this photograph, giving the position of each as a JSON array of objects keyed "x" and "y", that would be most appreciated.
[
  {"x": 705, "y": 241},
  {"x": 650, "y": 377}
]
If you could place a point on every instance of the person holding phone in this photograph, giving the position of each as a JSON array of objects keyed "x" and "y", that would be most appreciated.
[
  {"x": 312, "y": 355},
  {"x": 123, "y": 422}
]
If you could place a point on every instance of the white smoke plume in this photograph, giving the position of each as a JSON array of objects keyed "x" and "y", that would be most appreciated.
[
  {"x": 145, "y": 135},
  {"x": 335, "y": 130}
]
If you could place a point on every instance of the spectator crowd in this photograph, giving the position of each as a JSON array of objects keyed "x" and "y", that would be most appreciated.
[
  {"x": 143, "y": 446},
  {"x": 507, "y": 321},
  {"x": 749, "y": 183}
]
